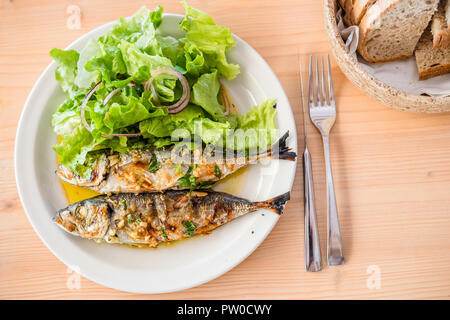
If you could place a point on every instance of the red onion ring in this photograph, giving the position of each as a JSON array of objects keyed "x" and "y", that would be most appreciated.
[{"x": 184, "y": 100}]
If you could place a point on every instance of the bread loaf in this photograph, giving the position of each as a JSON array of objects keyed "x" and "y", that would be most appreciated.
[{"x": 391, "y": 29}]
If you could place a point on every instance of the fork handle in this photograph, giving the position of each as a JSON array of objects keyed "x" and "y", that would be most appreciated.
[
  {"x": 313, "y": 259},
  {"x": 335, "y": 254}
]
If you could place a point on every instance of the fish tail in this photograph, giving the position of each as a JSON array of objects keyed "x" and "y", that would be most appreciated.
[
  {"x": 279, "y": 150},
  {"x": 275, "y": 204}
]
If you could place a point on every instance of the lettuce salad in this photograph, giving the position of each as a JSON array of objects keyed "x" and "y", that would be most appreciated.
[{"x": 118, "y": 64}]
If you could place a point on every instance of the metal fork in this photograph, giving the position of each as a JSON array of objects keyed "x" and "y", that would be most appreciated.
[{"x": 322, "y": 111}]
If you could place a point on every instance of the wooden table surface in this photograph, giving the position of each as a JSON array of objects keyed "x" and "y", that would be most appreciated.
[{"x": 391, "y": 168}]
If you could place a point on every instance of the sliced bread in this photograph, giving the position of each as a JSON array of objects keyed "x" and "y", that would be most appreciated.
[
  {"x": 390, "y": 29},
  {"x": 431, "y": 61},
  {"x": 356, "y": 9},
  {"x": 439, "y": 28}
]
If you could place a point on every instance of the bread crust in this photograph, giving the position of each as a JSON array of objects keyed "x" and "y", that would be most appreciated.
[
  {"x": 359, "y": 8},
  {"x": 434, "y": 72},
  {"x": 441, "y": 41},
  {"x": 355, "y": 10}
]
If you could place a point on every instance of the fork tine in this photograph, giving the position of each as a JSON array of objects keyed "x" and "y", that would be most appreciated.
[
  {"x": 317, "y": 84},
  {"x": 310, "y": 84},
  {"x": 330, "y": 82},
  {"x": 322, "y": 87}
]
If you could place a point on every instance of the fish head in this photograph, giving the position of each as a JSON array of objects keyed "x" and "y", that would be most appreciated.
[
  {"x": 98, "y": 172},
  {"x": 87, "y": 219}
]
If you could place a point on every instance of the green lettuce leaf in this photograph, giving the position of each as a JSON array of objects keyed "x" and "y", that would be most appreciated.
[
  {"x": 211, "y": 39},
  {"x": 172, "y": 49},
  {"x": 156, "y": 16},
  {"x": 205, "y": 92},
  {"x": 134, "y": 58},
  {"x": 256, "y": 128},
  {"x": 66, "y": 71},
  {"x": 134, "y": 28},
  {"x": 121, "y": 116},
  {"x": 109, "y": 62},
  {"x": 209, "y": 131},
  {"x": 260, "y": 117},
  {"x": 194, "y": 60},
  {"x": 86, "y": 79},
  {"x": 66, "y": 118},
  {"x": 161, "y": 127},
  {"x": 75, "y": 146}
]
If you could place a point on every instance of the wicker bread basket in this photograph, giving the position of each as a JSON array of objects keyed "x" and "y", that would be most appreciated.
[{"x": 385, "y": 94}]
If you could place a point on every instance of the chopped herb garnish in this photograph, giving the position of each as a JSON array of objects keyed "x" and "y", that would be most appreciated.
[
  {"x": 189, "y": 228},
  {"x": 163, "y": 230},
  {"x": 178, "y": 168},
  {"x": 129, "y": 219},
  {"x": 124, "y": 205},
  {"x": 217, "y": 172},
  {"x": 188, "y": 180},
  {"x": 138, "y": 220},
  {"x": 154, "y": 164},
  {"x": 202, "y": 184}
]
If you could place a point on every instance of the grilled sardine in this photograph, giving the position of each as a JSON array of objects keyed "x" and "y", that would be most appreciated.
[
  {"x": 148, "y": 219},
  {"x": 154, "y": 170}
]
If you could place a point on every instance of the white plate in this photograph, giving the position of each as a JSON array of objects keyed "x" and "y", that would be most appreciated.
[{"x": 168, "y": 268}]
